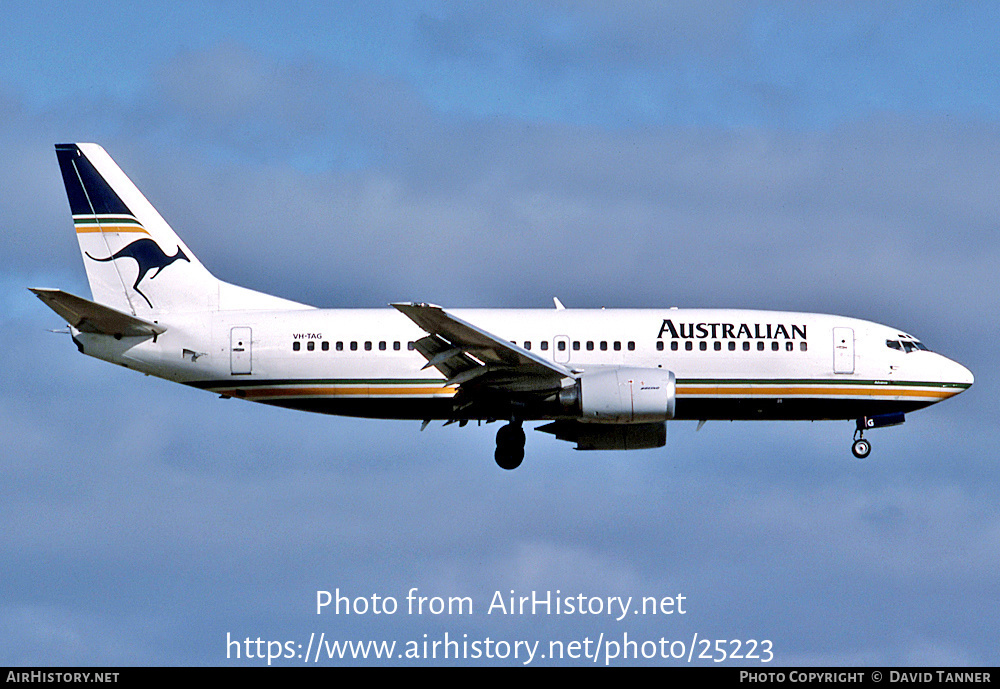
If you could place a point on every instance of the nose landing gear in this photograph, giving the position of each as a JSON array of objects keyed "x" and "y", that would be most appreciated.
[
  {"x": 510, "y": 446},
  {"x": 861, "y": 448}
]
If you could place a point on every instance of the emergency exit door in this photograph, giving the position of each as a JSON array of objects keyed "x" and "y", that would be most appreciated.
[
  {"x": 240, "y": 353},
  {"x": 843, "y": 350},
  {"x": 560, "y": 345}
]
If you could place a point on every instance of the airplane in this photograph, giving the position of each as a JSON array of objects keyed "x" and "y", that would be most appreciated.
[{"x": 605, "y": 379}]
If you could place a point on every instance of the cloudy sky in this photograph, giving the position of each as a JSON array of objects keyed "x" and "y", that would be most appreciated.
[{"x": 837, "y": 158}]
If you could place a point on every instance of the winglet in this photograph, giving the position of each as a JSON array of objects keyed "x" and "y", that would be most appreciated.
[{"x": 559, "y": 304}]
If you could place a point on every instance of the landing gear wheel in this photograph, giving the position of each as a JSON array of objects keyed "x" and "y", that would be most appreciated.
[
  {"x": 861, "y": 448},
  {"x": 510, "y": 446}
]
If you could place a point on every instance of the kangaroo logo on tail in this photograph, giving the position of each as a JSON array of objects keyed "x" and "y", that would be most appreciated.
[{"x": 148, "y": 255}]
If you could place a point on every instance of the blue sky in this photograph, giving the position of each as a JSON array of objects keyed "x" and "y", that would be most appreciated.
[
  {"x": 728, "y": 64},
  {"x": 836, "y": 158}
]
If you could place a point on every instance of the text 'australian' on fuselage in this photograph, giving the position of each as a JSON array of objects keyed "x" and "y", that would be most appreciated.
[{"x": 731, "y": 331}]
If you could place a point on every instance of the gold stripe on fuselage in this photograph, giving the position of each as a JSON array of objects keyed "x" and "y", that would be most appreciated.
[
  {"x": 345, "y": 391},
  {"x": 135, "y": 229},
  {"x": 723, "y": 390}
]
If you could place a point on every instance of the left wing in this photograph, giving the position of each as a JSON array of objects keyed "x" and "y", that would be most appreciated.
[
  {"x": 90, "y": 317},
  {"x": 471, "y": 357}
]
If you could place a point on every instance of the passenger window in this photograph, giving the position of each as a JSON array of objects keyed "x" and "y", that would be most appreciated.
[
  {"x": 618, "y": 346},
  {"x": 604, "y": 346},
  {"x": 590, "y": 345},
  {"x": 368, "y": 346},
  {"x": 760, "y": 346},
  {"x": 688, "y": 346},
  {"x": 631, "y": 346},
  {"x": 732, "y": 346},
  {"x": 396, "y": 346},
  {"x": 354, "y": 346},
  {"x": 703, "y": 346},
  {"x": 296, "y": 346},
  {"x": 545, "y": 345},
  {"x": 410, "y": 346},
  {"x": 659, "y": 345},
  {"x": 340, "y": 346},
  {"x": 381, "y": 346},
  {"x": 673, "y": 346},
  {"x": 746, "y": 346},
  {"x": 774, "y": 346},
  {"x": 789, "y": 346},
  {"x": 325, "y": 346},
  {"x": 576, "y": 345},
  {"x": 527, "y": 345},
  {"x": 803, "y": 346},
  {"x": 718, "y": 346},
  {"x": 310, "y": 345},
  {"x": 561, "y": 346}
]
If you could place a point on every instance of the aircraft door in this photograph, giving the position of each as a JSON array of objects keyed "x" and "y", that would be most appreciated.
[
  {"x": 843, "y": 350},
  {"x": 240, "y": 353},
  {"x": 560, "y": 347}
]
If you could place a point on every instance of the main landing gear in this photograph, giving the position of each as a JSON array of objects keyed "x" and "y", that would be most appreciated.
[{"x": 510, "y": 445}]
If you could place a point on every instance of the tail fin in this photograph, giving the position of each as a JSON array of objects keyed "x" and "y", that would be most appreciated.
[{"x": 115, "y": 222}]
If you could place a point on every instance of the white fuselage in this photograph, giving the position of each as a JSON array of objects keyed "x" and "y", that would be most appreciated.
[{"x": 729, "y": 364}]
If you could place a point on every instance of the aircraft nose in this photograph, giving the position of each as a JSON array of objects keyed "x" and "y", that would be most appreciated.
[
  {"x": 956, "y": 374},
  {"x": 965, "y": 375}
]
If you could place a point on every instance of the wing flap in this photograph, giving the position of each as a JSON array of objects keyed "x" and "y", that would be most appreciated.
[
  {"x": 469, "y": 355},
  {"x": 445, "y": 357},
  {"x": 90, "y": 317}
]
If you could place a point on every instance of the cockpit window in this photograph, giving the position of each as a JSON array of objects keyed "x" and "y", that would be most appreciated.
[{"x": 906, "y": 345}]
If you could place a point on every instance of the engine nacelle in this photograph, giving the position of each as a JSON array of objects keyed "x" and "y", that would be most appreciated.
[{"x": 622, "y": 395}]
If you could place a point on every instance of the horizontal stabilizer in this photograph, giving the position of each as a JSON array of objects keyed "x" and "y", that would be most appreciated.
[{"x": 90, "y": 317}]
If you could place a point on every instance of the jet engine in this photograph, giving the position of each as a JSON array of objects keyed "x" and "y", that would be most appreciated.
[{"x": 622, "y": 396}]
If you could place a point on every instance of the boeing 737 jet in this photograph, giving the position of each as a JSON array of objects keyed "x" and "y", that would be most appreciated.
[{"x": 605, "y": 379}]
